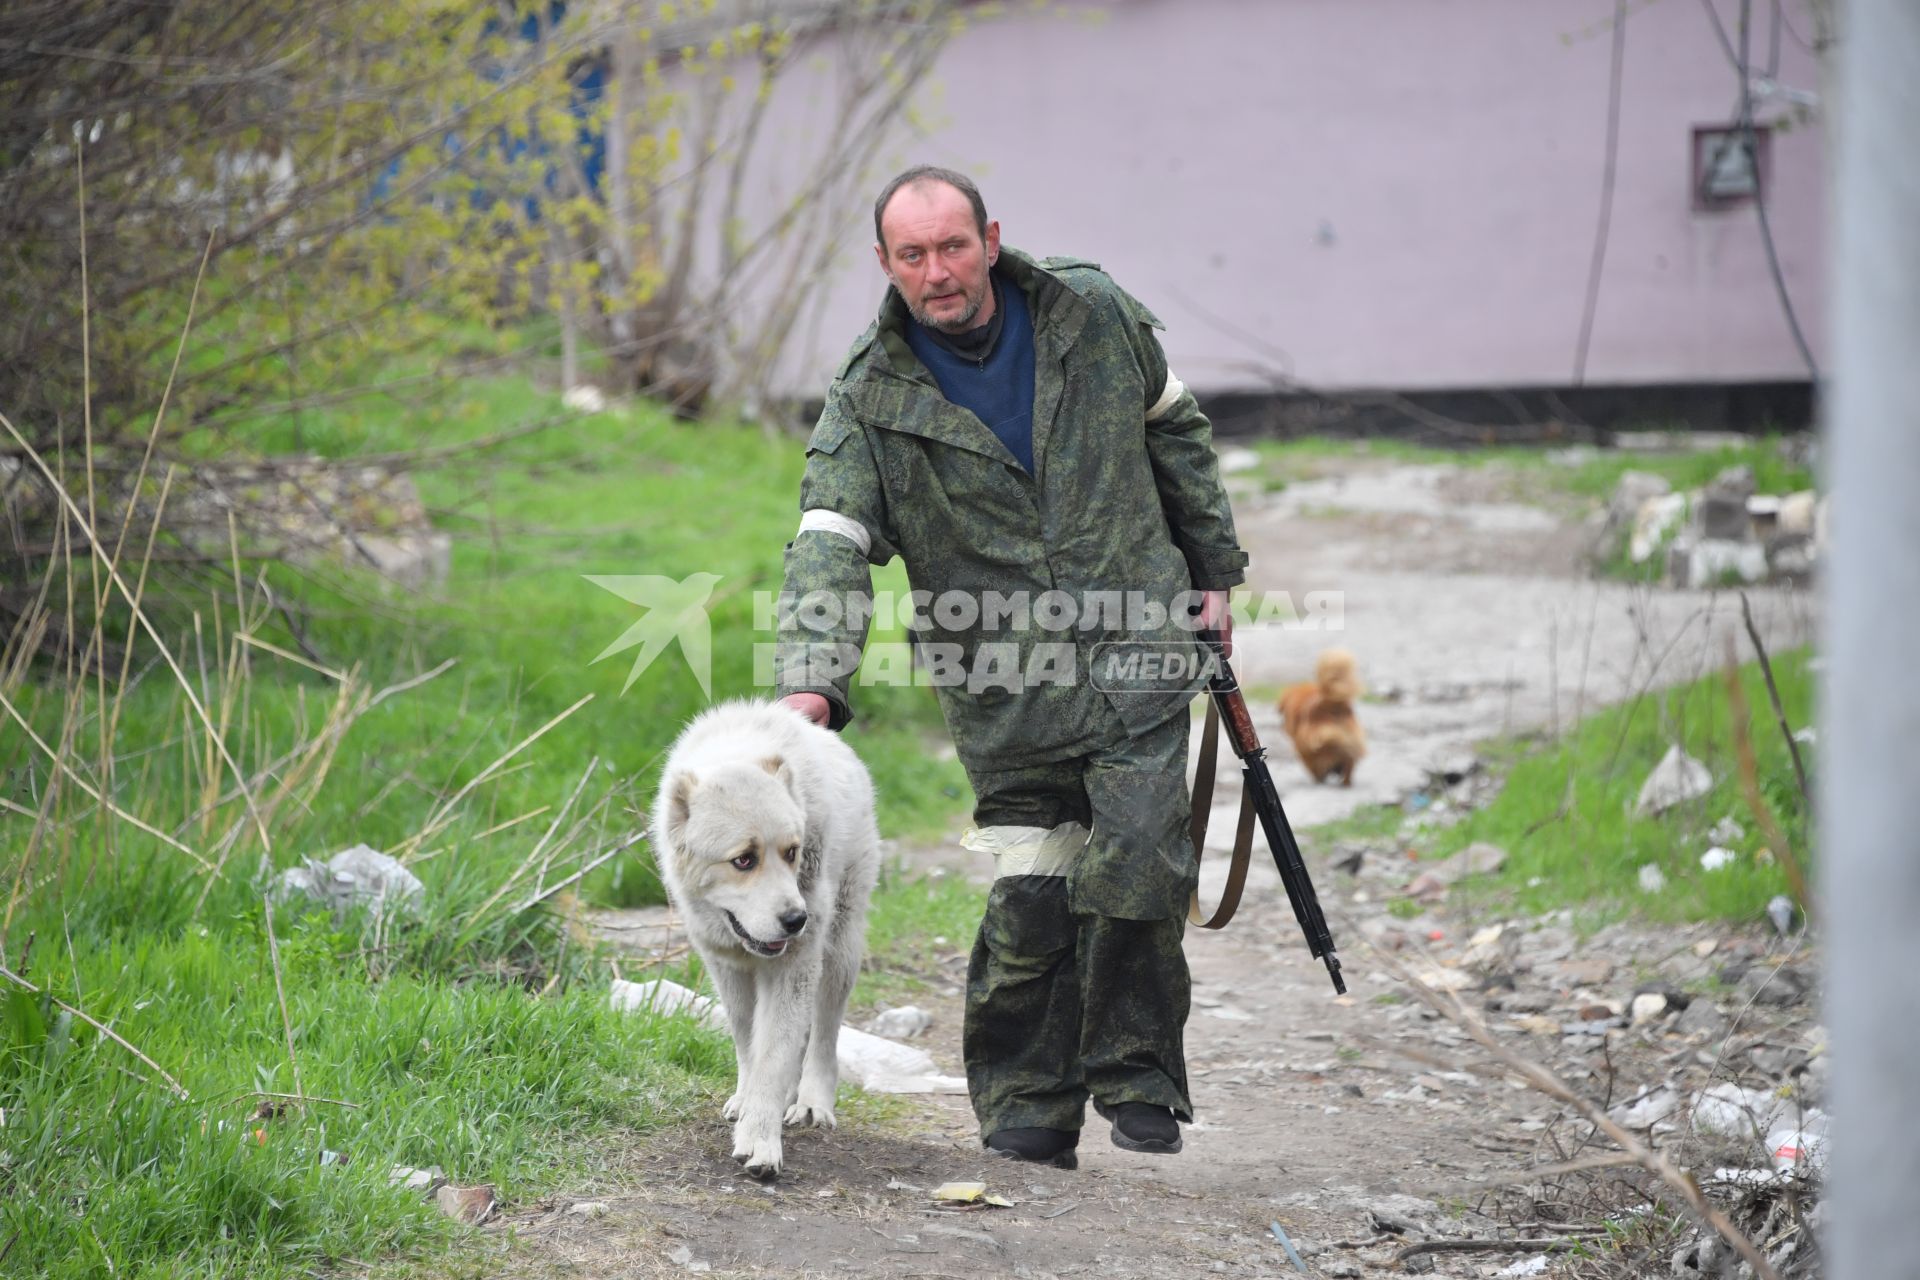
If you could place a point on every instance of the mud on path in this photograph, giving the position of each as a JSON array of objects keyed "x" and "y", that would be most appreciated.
[{"x": 1359, "y": 1124}]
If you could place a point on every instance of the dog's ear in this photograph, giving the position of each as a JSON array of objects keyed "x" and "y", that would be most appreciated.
[
  {"x": 777, "y": 766},
  {"x": 677, "y": 805}
]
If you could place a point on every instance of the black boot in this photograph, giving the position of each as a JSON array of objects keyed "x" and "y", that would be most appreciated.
[
  {"x": 1141, "y": 1126},
  {"x": 1042, "y": 1146}
]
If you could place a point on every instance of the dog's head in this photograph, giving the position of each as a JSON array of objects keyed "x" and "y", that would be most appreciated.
[
  {"x": 736, "y": 831},
  {"x": 1337, "y": 677}
]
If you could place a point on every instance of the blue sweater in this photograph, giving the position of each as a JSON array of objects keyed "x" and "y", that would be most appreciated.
[{"x": 999, "y": 389}]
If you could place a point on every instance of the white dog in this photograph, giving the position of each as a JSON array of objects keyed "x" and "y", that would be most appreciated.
[{"x": 766, "y": 839}]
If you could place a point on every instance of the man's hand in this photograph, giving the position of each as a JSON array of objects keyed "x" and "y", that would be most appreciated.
[
  {"x": 1216, "y": 615},
  {"x": 811, "y": 705}
]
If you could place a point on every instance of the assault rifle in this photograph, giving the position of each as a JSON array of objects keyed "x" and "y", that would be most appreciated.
[{"x": 1261, "y": 794}]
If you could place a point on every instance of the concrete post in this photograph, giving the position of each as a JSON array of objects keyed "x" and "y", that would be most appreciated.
[{"x": 1870, "y": 718}]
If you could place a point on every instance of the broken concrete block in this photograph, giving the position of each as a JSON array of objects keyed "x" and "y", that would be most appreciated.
[
  {"x": 1797, "y": 511},
  {"x": 1656, "y": 518},
  {"x": 1717, "y": 561}
]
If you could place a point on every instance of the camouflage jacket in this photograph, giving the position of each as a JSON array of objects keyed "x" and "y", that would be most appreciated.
[{"x": 1123, "y": 519}]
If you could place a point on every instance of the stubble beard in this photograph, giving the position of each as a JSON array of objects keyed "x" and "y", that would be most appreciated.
[{"x": 960, "y": 323}]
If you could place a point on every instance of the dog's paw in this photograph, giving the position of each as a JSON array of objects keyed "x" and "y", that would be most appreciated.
[
  {"x": 732, "y": 1110},
  {"x": 759, "y": 1153},
  {"x": 812, "y": 1113}
]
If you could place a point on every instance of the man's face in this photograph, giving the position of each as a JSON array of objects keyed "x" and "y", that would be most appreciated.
[{"x": 934, "y": 255}]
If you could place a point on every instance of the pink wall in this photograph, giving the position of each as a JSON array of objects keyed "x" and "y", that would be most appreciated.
[{"x": 1366, "y": 193}]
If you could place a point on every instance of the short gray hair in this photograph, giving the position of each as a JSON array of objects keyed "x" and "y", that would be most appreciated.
[{"x": 931, "y": 173}]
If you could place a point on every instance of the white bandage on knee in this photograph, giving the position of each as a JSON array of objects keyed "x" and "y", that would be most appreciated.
[
  {"x": 825, "y": 521},
  {"x": 1169, "y": 397},
  {"x": 1028, "y": 851}
]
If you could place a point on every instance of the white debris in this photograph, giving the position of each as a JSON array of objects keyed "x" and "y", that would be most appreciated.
[
  {"x": 588, "y": 1209},
  {"x": 1801, "y": 1143},
  {"x": 683, "y": 1256},
  {"x": 1657, "y": 517},
  {"x": 1798, "y": 512},
  {"x": 1718, "y": 859},
  {"x": 1713, "y": 561},
  {"x": 584, "y": 398},
  {"x": 903, "y": 1023},
  {"x": 1534, "y": 1266},
  {"x": 415, "y": 1179},
  {"x": 884, "y": 1066},
  {"x": 663, "y": 996},
  {"x": 1727, "y": 1108},
  {"x": 1652, "y": 879},
  {"x": 1646, "y": 1110},
  {"x": 1676, "y": 779},
  {"x": 1727, "y": 831},
  {"x": 875, "y": 1064},
  {"x": 353, "y": 876},
  {"x": 1647, "y": 1006},
  {"x": 1446, "y": 979}
]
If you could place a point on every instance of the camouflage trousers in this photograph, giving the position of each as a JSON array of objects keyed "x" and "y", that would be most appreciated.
[{"x": 1077, "y": 985}]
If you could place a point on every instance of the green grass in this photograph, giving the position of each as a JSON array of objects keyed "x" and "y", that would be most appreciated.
[
  {"x": 1597, "y": 477},
  {"x": 107, "y": 1174},
  {"x": 1591, "y": 477},
  {"x": 1565, "y": 814},
  {"x": 624, "y": 492},
  {"x": 479, "y": 1038},
  {"x": 916, "y": 923}
]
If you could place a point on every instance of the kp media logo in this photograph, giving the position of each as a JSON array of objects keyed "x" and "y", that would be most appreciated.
[{"x": 670, "y": 612}]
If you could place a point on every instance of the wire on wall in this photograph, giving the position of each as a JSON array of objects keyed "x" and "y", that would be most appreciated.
[
  {"x": 1606, "y": 195},
  {"x": 1749, "y": 141}
]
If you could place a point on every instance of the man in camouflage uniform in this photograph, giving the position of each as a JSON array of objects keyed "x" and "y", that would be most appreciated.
[{"x": 1010, "y": 429}]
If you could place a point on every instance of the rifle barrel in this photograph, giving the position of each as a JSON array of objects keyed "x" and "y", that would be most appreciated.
[{"x": 1273, "y": 817}]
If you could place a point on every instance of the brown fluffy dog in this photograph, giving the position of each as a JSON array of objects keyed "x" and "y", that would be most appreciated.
[{"x": 1319, "y": 718}]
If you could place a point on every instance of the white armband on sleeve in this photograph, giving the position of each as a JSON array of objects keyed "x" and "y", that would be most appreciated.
[
  {"x": 1169, "y": 396},
  {"x": 825, "y": 521}
]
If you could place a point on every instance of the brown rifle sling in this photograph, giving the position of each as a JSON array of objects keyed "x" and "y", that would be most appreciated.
[{"x": 1197, "y": 827}]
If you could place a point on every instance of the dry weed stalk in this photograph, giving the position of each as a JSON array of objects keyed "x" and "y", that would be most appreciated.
[
  {"x": 280, "y": 989},
  {"x": 1750, "y": 787},
  {"x": 1779, "y": 709},
  {"x": 214, "y": 739},
  {"x": 443, "y": 813},
  {"x": 179, "y": 1090}
]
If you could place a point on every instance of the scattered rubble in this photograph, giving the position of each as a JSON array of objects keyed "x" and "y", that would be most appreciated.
[
  {"x": 1697, "y": 1037},
  {"x": 1436, "y": 878},
  {"x": 313, "y": 511},
  {"x": 1723, "y": 532}
]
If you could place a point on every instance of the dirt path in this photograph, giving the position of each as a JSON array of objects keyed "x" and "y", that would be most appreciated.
[{"x": 1360, "y": 1124}]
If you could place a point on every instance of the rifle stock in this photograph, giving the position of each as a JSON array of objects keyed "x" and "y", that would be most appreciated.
[{"x": 1258, "y": 780}]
